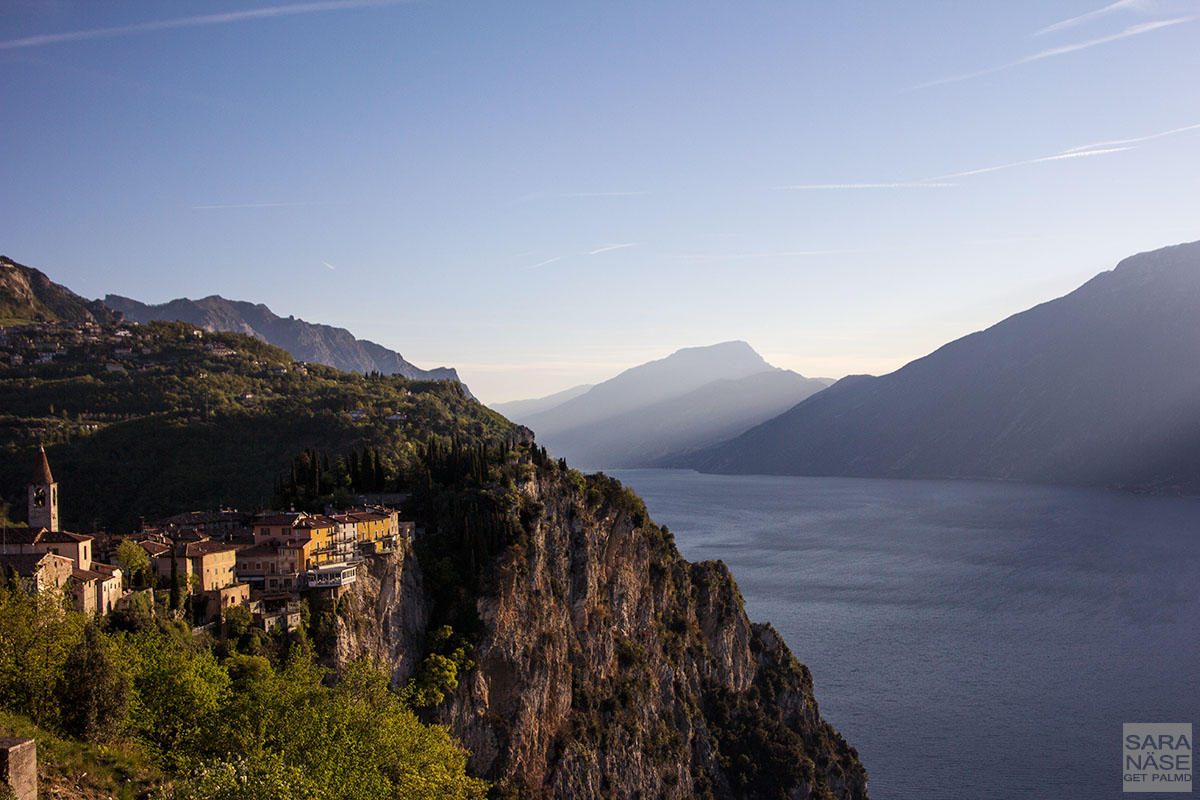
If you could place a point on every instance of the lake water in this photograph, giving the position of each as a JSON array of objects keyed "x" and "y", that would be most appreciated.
[{"x": 973, "y": 640}]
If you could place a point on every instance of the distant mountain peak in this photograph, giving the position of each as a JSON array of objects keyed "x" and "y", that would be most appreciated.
[
  {"x": 306, "y": 341},
  {"x": 1097, "y": 387},
  {"x": 692, "y": 398}
]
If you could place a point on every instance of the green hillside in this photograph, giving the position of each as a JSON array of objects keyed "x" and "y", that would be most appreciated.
[{"x": 142, "y": 421}]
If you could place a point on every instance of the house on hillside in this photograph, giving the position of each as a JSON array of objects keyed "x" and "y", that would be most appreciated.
[
  {"x": 95, "y": 586},
  {"x": 274, "y": 566},
  {"x": 316, "y": 532},
  {"x": 37, "y": 572},
  {"x": 206, "y": 567}
]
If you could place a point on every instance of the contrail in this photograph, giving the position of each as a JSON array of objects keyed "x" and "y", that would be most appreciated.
[{"x": 191, "y": 22}]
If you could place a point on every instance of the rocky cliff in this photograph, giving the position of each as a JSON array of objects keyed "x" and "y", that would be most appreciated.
[
  {"x": 604, "y": 664},
  {"x": 28, "y": 296}
]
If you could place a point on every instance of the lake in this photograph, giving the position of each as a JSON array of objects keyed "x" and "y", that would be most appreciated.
[{"x": 971, "y": 639}]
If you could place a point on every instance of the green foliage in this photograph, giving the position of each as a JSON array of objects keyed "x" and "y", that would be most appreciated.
[
  {"x": 93, "y": 691},
  {"x": 314, "y": 480},
  {"x": 181, "y": 428},
  {"x": 179, "y": 697},
  {"x": 447, "y": 655},
  {"x": 36, "y": 637},
  {"x": 265, "y": 777},
  {"x": 134, "y": 562},
  {"x": 238, "y": 620},
  {"x": 238, "y": 728}
]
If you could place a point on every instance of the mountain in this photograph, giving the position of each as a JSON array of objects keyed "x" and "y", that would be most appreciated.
[
  {"x": 306, "y": 341},
  {"x": 1099, "y": 387},
  {"x": 523, "y": 408},
  {"x": 548, "y": 622},
  {"x": 692, "y": 398},
  {"x": 28, "y": 296}
]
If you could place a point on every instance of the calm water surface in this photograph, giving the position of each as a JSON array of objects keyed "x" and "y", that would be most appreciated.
[{"x": 972, "y": 640}]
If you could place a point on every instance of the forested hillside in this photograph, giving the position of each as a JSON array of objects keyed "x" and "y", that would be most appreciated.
[{"x": 163, "y": 420}]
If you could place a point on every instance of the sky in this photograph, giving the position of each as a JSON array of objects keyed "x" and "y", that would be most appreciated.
[{"x": 542, "y": 194}]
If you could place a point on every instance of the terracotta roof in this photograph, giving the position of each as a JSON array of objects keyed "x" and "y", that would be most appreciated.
[
  {"x": 281, "y": 520},
  {"x": 63, "y": 537},
  {"x": 107, "y": 569},
  {"x": 87, "y": 575},
  {"x": 154, "y": 548},
  {"x": 41, "y": 473},
  {"x": 206, "y": 548},
  {"x": 203, "y": 517},
  {"x": 315, "y": 521},
  {"x": 26, "y": 564},
  {"x": 37, "y": 535}
]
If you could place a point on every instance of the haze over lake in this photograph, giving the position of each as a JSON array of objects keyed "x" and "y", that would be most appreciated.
[{"x": 972, "y": 640}]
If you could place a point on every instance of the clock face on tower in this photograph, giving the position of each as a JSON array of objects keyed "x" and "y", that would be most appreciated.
[{"x": 39, "y": 496}]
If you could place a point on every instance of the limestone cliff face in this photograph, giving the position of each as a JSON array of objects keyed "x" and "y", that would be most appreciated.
[
  {"x": 385, "y": 617},
  {"x": 607, "y": 666}
]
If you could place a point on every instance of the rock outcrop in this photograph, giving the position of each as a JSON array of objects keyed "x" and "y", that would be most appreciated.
[
  {"x": 28, "y": 296},
  {"x": 605, "y": 665},
  {"x": 385, "y": 617}
]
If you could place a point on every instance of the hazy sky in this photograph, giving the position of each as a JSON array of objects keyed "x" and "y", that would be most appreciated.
[{"x": 542, "y": 194}]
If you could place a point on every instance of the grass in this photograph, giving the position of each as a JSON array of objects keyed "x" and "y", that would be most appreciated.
[{"x": 74, "y": 770}]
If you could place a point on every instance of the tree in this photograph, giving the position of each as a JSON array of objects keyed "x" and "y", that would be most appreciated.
[
  {"x": 134, "y": 561},
  {"x": 93, "y": 691},
  {"x": 179, "y": 695},
  {"x": 36, "y": 636}
]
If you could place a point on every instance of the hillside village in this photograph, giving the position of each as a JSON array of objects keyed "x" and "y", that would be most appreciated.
[{"x": 199, "y": 564}]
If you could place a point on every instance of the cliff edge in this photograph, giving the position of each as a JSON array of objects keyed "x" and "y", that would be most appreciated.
[{"x": 603, "y": 664}]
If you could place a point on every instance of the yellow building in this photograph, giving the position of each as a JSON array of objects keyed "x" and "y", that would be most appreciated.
[{"x": 318, "y": 530}]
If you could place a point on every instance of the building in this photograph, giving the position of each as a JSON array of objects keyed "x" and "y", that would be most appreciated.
[
  {"x": 206, "y": 565},
  {"x": 110, "y": 588},
  {"x": 274, "y": 567},
  {"x": 376, "y": 529},
  {"x": 276, "y": 611},
  {"x": 237, "y": 594},
  {"x": 316, "y": 531},
  {"x": 75, "y": 546},
  {"x": 43, "y": 496},
  {"x": 334, "y": 577},
  {"x": 221, "y": 525},
  {"x": 96, "y": 587},
  {"x": 37, "y": 572},
  {"x": 96, "y": 592}
]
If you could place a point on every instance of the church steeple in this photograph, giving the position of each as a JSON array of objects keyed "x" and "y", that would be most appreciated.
[{"x": 43, "y": 496}]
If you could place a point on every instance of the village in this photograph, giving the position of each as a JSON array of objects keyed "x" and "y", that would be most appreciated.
[{"x": 206, "y": 562}]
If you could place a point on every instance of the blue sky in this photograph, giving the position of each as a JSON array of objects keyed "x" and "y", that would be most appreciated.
[{"x": 542, "y": 194}]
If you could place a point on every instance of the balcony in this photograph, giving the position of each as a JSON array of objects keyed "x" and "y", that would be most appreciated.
[{"x": 330, "y": 576}]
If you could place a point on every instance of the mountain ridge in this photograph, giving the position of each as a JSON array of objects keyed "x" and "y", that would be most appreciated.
[
  {"x": 689, "y": 399},
  {"x": 534, "y": 405},
  {"x": 1091, "y": 388},
  {"x": 28, "y": 296},
  {"x": 306, "y": 341}
]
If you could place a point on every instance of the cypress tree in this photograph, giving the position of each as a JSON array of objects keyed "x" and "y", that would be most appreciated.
[{"x": 93, "y": 692}]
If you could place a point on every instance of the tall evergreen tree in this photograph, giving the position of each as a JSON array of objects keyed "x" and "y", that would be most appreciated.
[{"x": 93, "y": 692}]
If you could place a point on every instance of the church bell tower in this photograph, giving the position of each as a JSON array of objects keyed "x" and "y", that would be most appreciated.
[{"x": 43, "y": 496}]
